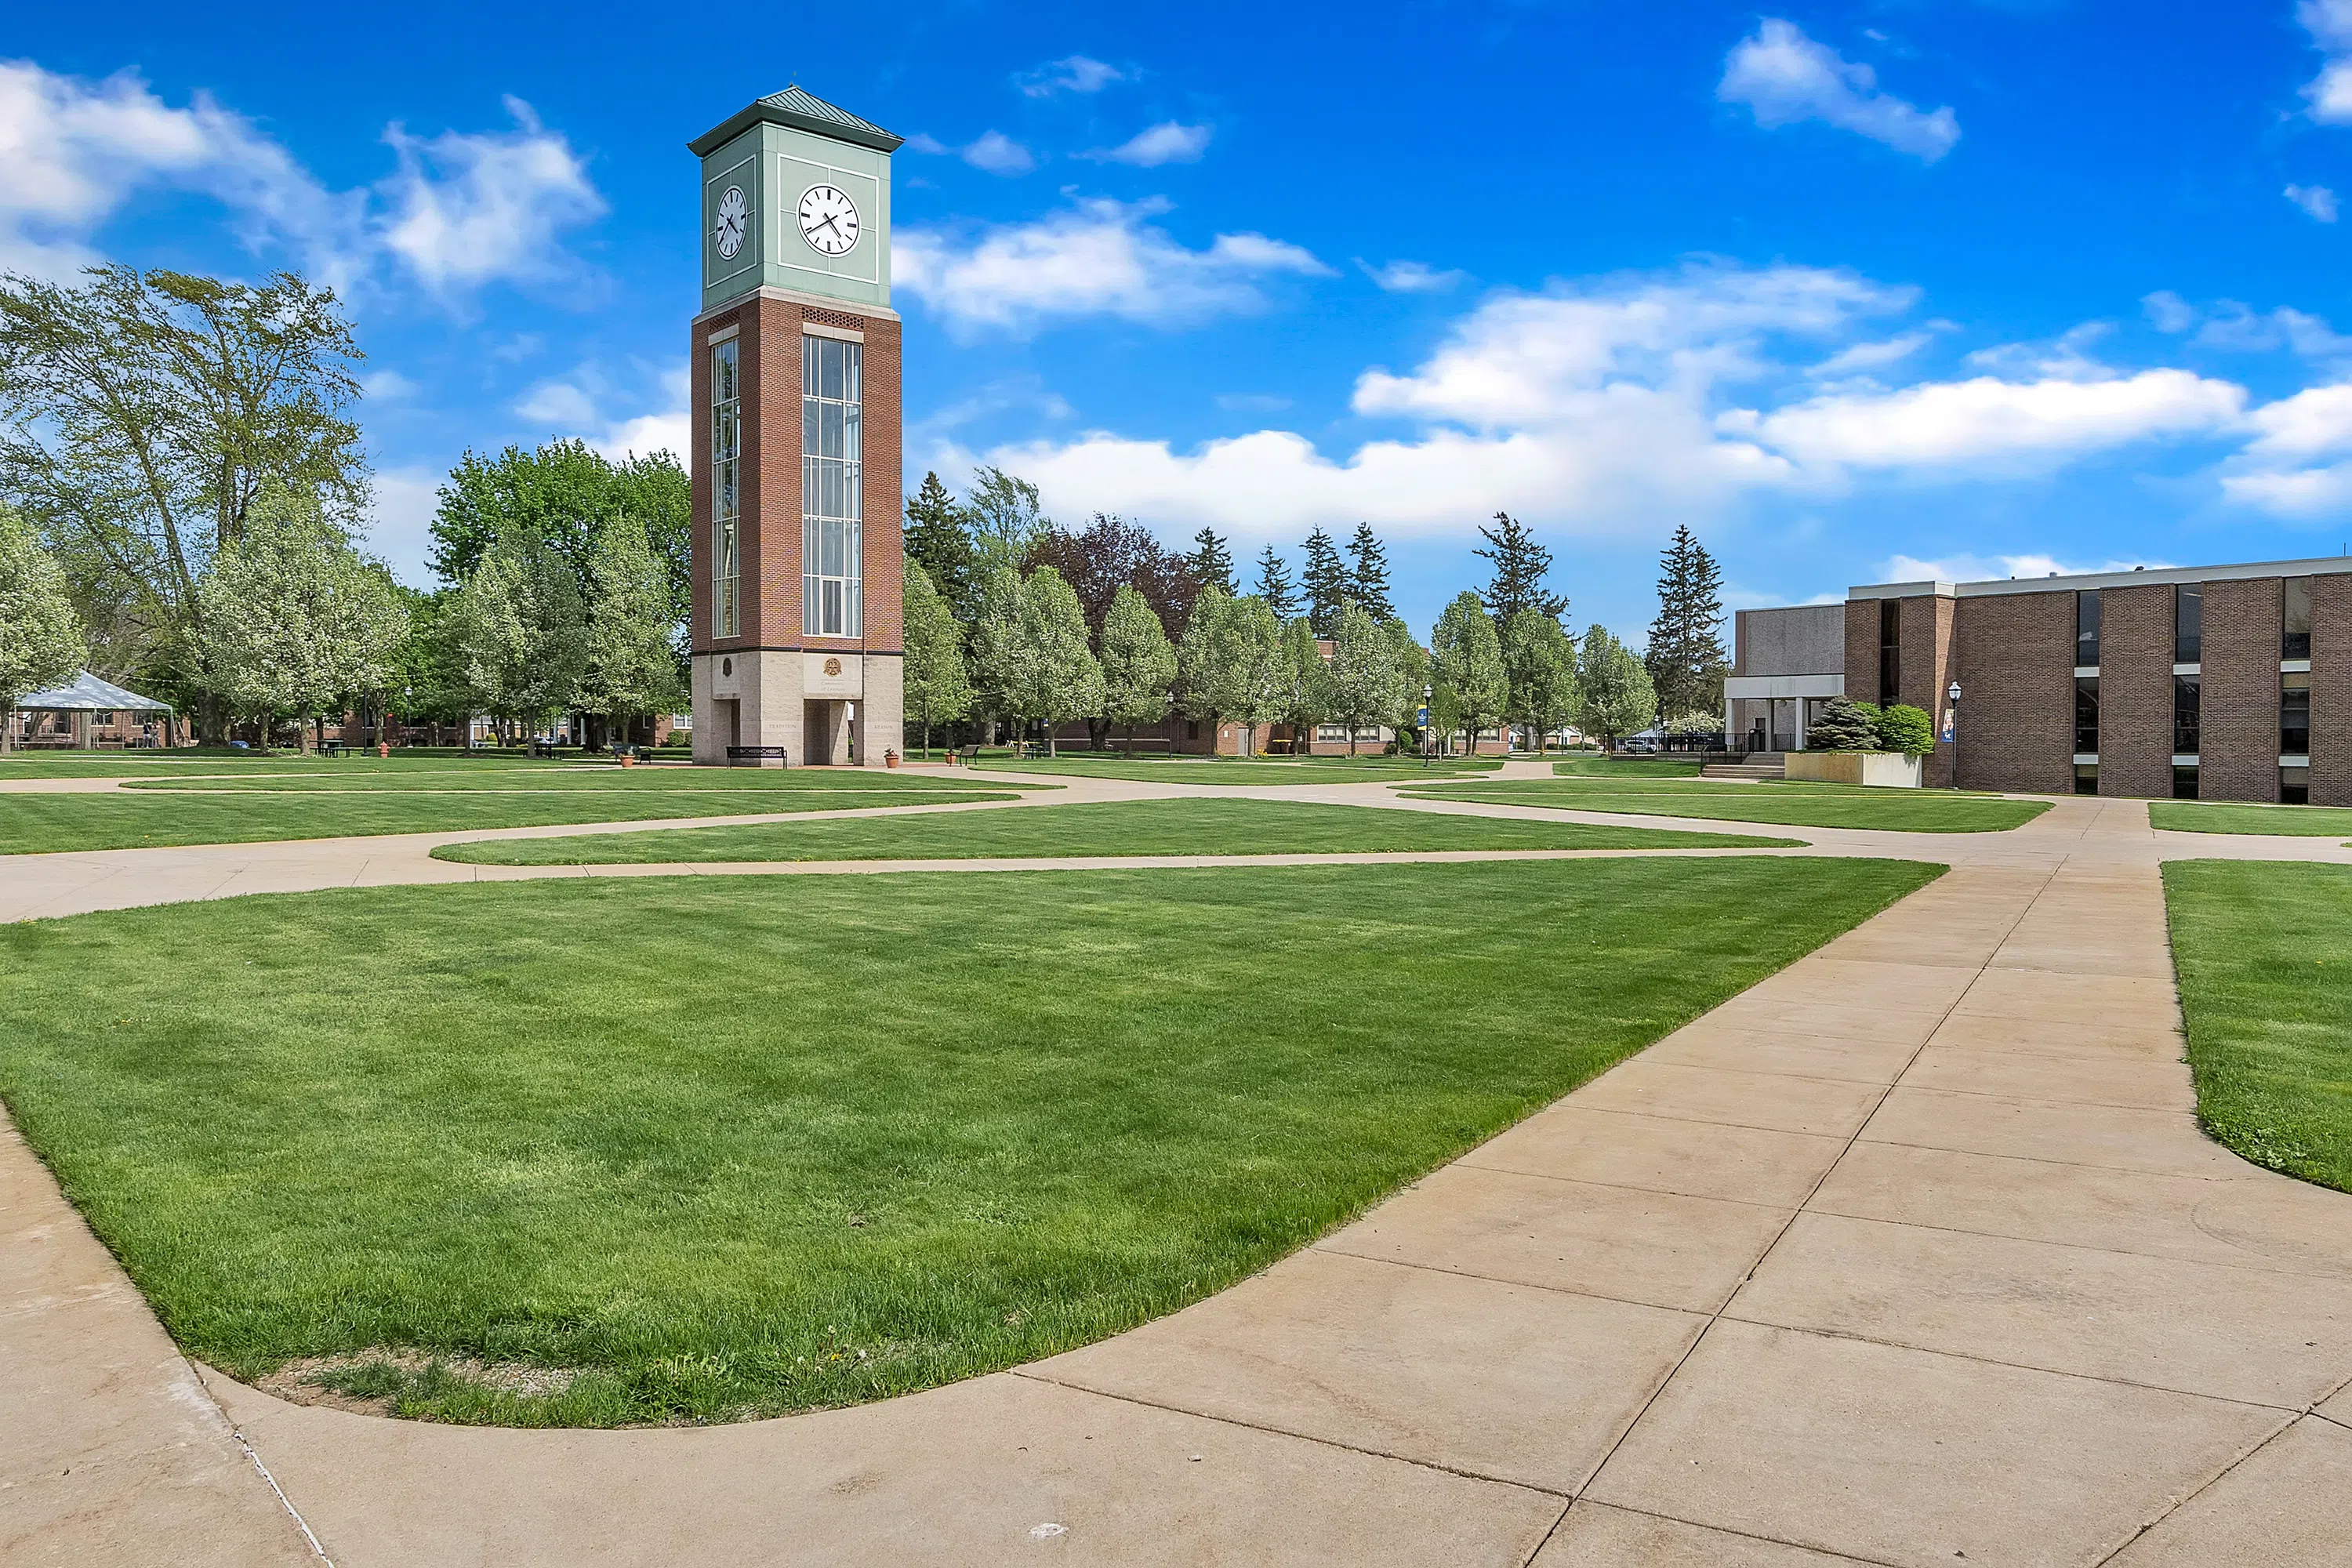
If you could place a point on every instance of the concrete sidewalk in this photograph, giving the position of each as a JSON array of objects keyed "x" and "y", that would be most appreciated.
[{"x": 1911, "y": 1254}]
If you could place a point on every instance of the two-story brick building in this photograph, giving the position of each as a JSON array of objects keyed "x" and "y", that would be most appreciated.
[{"x": 2206, "y": 682}]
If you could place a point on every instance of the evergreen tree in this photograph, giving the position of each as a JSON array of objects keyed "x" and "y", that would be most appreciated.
[
  {"x": 1844, "y": 725},
  {"x": 1466, "y": 657},
  {"x": 1274, "y": 585},
  {"x": 1685, "y": 658},
  {"x": 1367, "y": 574},
  {"x": 1213, "y": 563},
  {"x": 41, "y": 642},
  {"x": 1139, "y": 664},
  {"x": 1327, "y": 583},
  {"x": 1540, "y": 663},
  {"x": 1613, "y": 696},
  {"x": 938, "y": 541},
  {"x": 1367, "y": 682},
  {"x": 938, "y": 688},
  {"x": 1520, "y": 567}
]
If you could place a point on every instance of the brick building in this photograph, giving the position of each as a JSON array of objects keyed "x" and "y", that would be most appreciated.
[{"x": 2205, "y": 682}]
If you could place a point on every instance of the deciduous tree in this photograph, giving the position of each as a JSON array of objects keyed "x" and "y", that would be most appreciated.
[
  {"x": 1465, "y": 657},
  {"x": 520, "y": 632},
  {"x": 1412, "y": 676},
  {"x": 1031, "y": 647},
  {"x": 1002, "y": 514},
  {"x": 939, "y": 687},
  {"x": 1367, "y": 680},
  {"x": 292, "y": 621},
  {"x": 1303, "y": 697},
  {"x": 1613, "y": 696},
  {"x": 631, "y": 663},
  {"x": 1139, "y": 663},
  {"x": 41, "y": 642},
  {"x": 1541, "y": 665},
  {"x": 1111, "y": 553},
  {"x": 142, "y": 414}
]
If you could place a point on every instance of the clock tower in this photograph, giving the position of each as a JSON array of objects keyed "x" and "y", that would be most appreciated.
[{"x": 797, "y": 642}]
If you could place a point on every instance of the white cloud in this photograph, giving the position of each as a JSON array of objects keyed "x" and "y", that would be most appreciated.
[
  {"x": 578, "y": 407},
  {"x": 399, "y": 526},
  {"x": 991, "y": 152},
  {"x": 1967, "y": 568},
  {"x": 388, "y": 386},
  {"x": 1095, "y": 258},
  {"x": 2298, "y": 466},
  {"x": 461, "y": 211},
  {"x": 469, "y": 209},
  {"x": 2329, "y": 23},
  {"x": 2231, "y": 326},
  {"x": 1785, "y": 77},
  {"x": 1166, "y": 142},
  {"x": 1989, "y": 421},
  {"x": 1863, "y": 358},
  {"x": 1412, "y": 277},
  {"x": 2317, "y": 200},
  {"x": 73, "y": 153},
  {"x": 1075, "y": 74}
]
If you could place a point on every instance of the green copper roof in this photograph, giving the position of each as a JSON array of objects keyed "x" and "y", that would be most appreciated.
[{"x": 802, "y": 112}]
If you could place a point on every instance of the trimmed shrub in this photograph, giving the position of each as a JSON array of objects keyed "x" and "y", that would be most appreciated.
[{"x": 1904, "y": 729}]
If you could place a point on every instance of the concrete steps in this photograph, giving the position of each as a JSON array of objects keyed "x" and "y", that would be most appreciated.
[{"x": 1754, "y": 765}]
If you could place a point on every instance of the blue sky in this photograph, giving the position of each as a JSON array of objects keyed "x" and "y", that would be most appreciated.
[{"x": 1847, "y": 287}]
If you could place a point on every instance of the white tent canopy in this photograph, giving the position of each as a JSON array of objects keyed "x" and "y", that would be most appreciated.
[{"x": 86, "y": 693}]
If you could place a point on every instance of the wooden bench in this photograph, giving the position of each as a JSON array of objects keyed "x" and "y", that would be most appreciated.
[{"x": 757, "y": 756}]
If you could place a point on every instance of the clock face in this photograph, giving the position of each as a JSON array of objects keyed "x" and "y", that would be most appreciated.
[
  {"x": 828, "y": 220},
  {"x": 734, "y": 215}
]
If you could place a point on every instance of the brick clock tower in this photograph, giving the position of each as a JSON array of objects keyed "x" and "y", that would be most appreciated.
[{"x": 797, "y": 641}]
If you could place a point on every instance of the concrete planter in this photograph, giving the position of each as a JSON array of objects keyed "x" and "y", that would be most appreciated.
[{"x": 1885, "y": 770}]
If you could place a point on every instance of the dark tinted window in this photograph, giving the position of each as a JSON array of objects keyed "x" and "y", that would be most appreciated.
[
  {"x": 2294, "y": 618},
  {"x": 1890, "y": 650},
  {"x": 2087, "y": 713},
  {"x": 2087, "y": 778},
  {"x": 2294, "y": 715},
  {"x": 2188, "y": 624},
  {"x": 2184, "y": 784},
  {"x": 2294, "y": 786},
  {"x": 2184, "y": 712},
  {"x": 2086, "y": 627}
]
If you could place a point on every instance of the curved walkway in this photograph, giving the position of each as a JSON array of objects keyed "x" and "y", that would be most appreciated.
[{"x": 1911, "y": 1254}]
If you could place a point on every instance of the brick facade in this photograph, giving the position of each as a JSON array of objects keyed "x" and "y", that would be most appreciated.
[
  {"x": 2331, "y": 690},
  {"x": 1926, "y": 655},
  {"x": 2237, "y": 743},
  {"x": 2015, "y": 655},
  {"x": 2136, "y": 691},
  {"x": 1862, "y": 649}
]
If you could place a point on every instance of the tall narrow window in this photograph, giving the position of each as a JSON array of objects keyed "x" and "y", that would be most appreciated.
[
  {"x": 2294, "y": 618},
  {"x": 2086, "y": 715},
  {"x": 2185, "y": 696},
  {"x": 2294, "y": 715},
  {"x": 833, "y": 601},
  {"x": 2087, "y": 629},
  {"x": 726, "y": 493},
  {"x": 1890, "y": 650},
  {"x": 2188, "y": 624}
]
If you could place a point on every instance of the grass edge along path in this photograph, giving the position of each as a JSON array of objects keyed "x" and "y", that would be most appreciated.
[
  {"x": 49, "y": 824},
  {"x": 928, "y": 1127},
  {"x": 1252, "y": 771},
  {"x": 1190, "y": 825},
  {"x": 2250, "y": 818},
  {"x": 2265, "y": 986},
  {"x": 1802, "y": 805}
]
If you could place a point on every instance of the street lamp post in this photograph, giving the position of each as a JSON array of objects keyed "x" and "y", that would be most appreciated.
[{"x": 1428, "y": 748}]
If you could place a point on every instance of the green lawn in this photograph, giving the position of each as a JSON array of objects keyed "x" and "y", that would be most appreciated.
[
  {"x": 2202, "y": 817},
  {"x": 335, "y": 805},
  {"x": 1628, "y": 767},
  {"x": 191, "y": 762},
  {"x": 1792, "y": 805},
  {"x": 1230, "y": 771},
  {"x": 1192, "y": 826},
  {"x": 2266, "y": 986},
  {"x": 728, "y": 1146}
]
